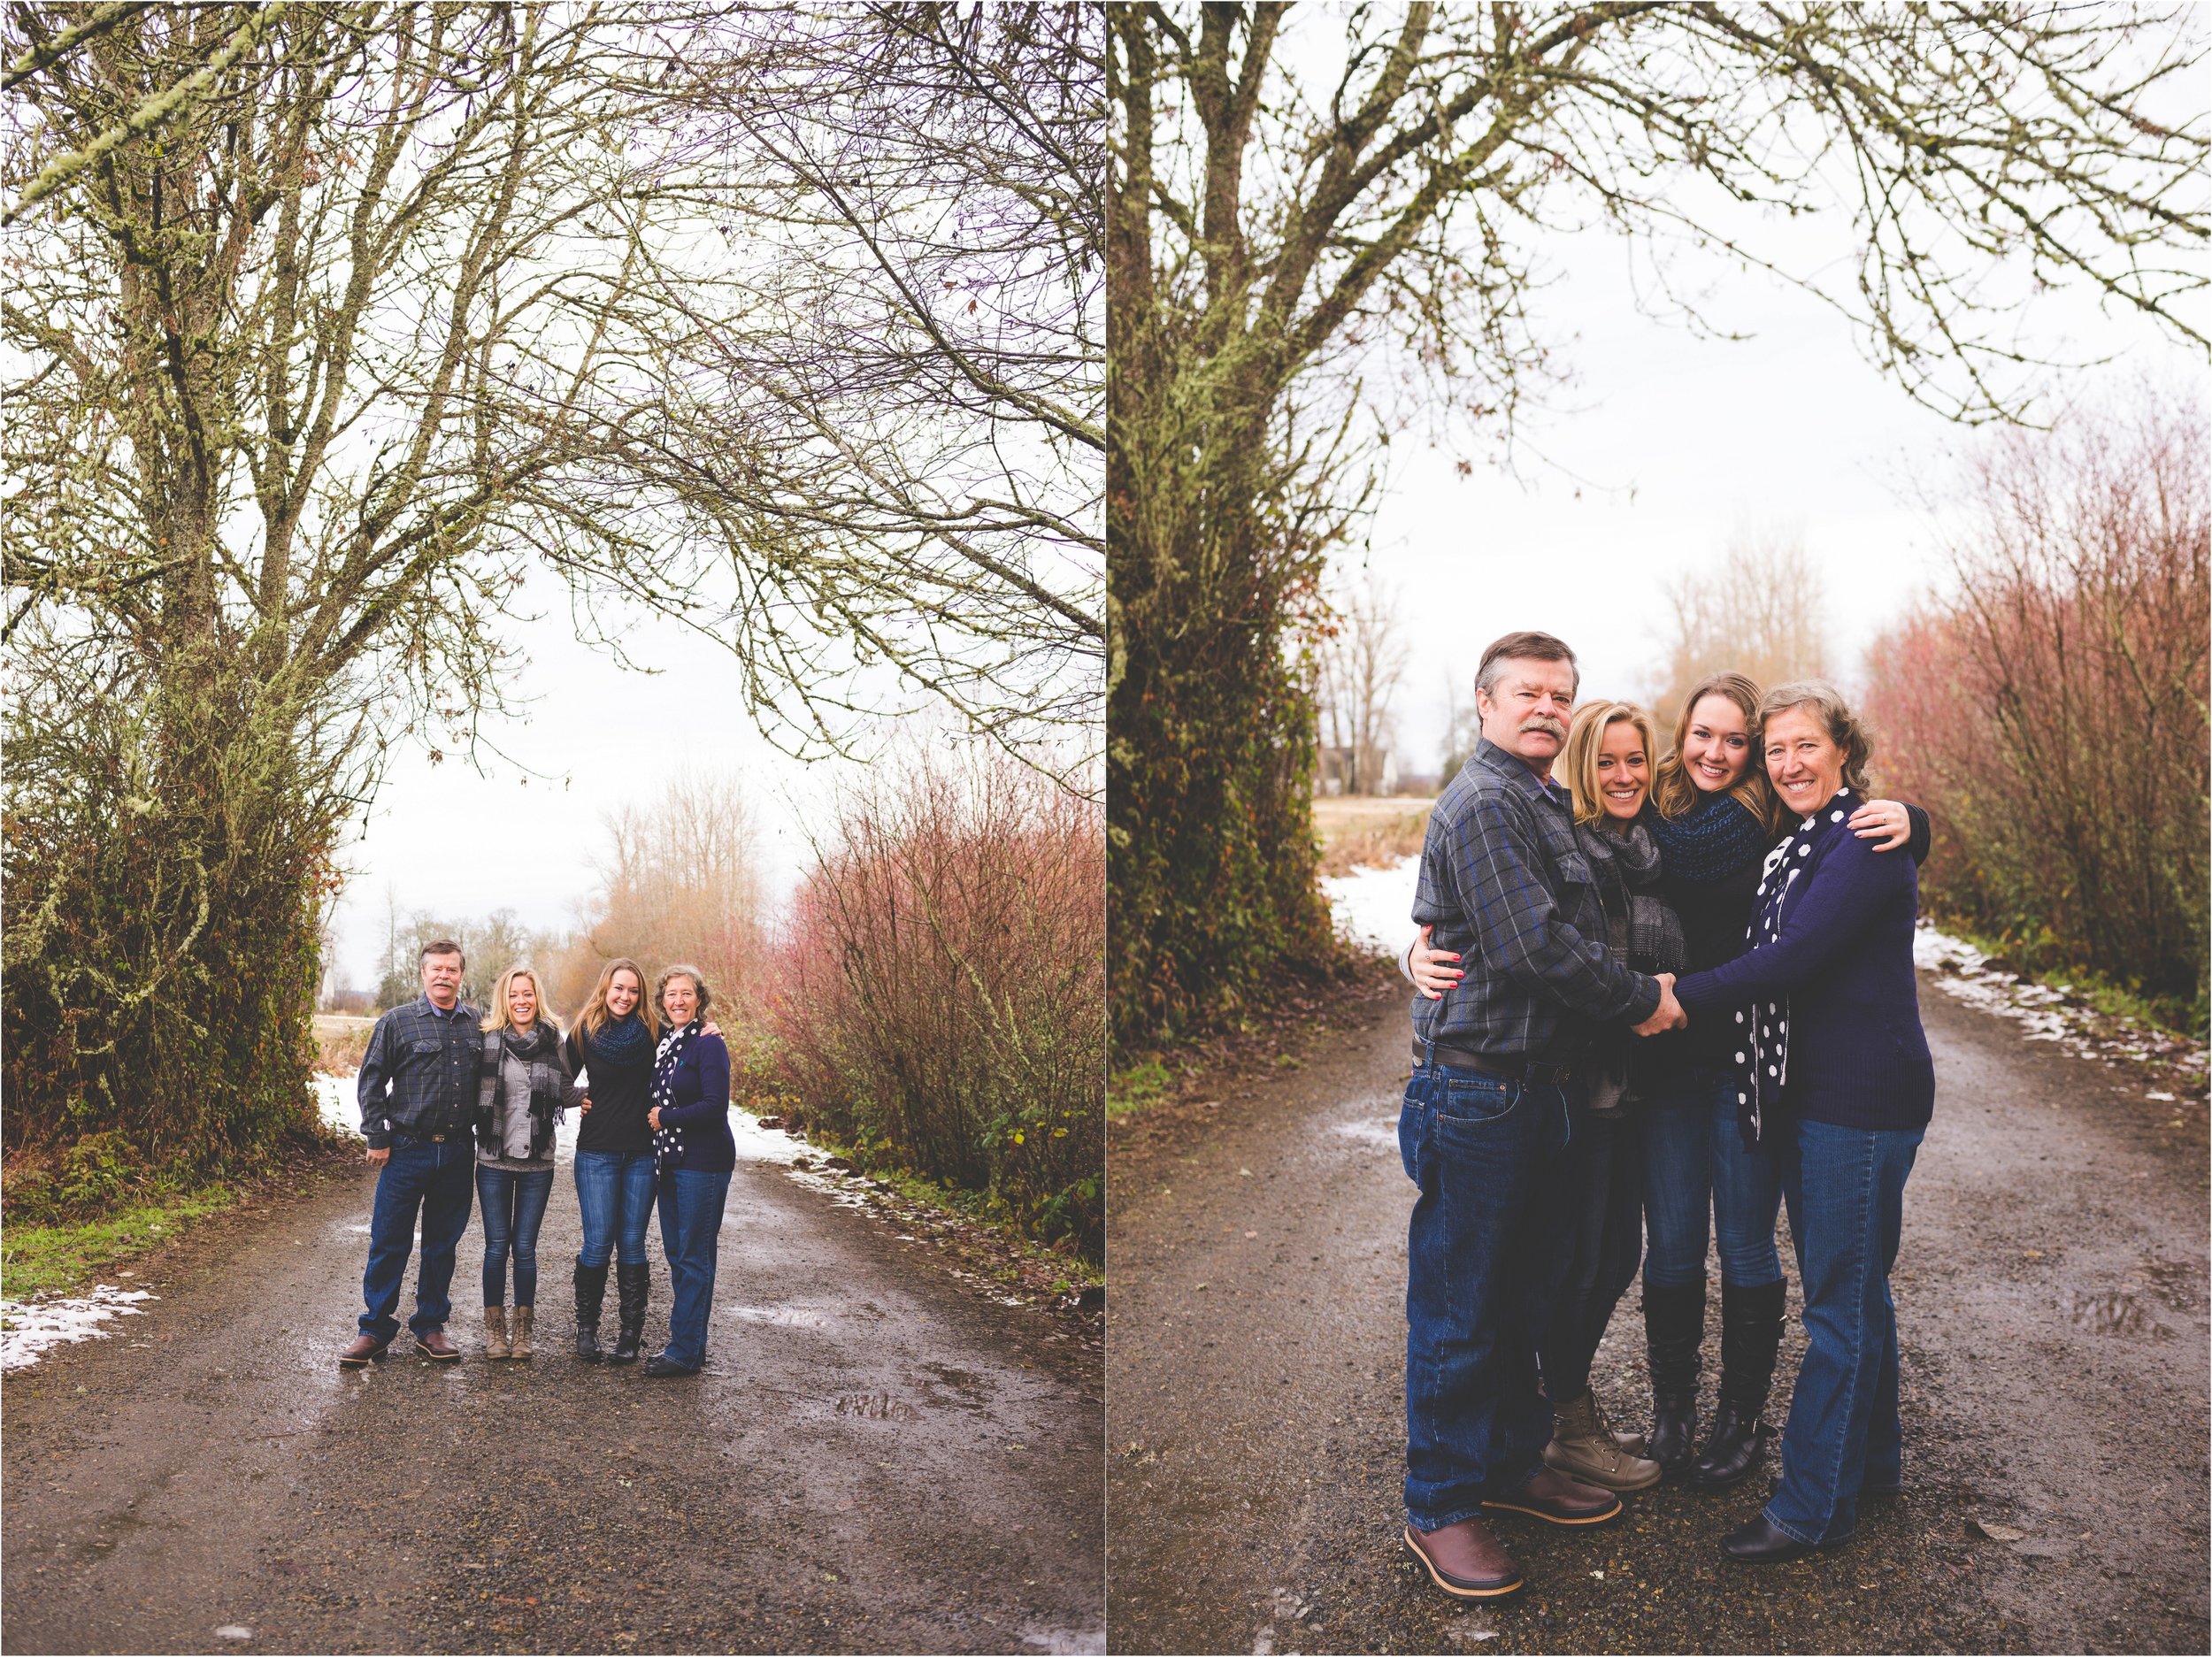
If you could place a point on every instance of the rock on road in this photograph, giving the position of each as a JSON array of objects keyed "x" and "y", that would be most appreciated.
[
  {"x": 879, "y": 1457},
  {"x": 2050, "y": 1307}
]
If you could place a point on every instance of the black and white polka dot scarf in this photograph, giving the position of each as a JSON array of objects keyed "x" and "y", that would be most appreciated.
[
  {"x": 668, "y": 1141},
  {"x": 1762, "y": 1030}
]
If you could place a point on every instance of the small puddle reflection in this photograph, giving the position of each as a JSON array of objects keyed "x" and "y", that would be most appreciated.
[
  {"x": 2113, "y": 1312},
  {"x": 1382, "y": 1134},
  {"x": 793, "y": 1316}
]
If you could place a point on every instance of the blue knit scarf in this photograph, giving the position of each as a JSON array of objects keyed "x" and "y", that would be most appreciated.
[
  {"x": 1712, "y": 839},
  {"x": 621, "y": 1042}
]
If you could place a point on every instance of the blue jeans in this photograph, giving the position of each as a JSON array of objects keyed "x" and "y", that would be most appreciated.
[
  {"x": 1483, "y": 1255},
  {"x": 1694, "y": 1159},
  {"x": 1845, "y": 1192},
  {"x": 1602, "y": 1239},
  {"x": 614, "y": 1197},
  {"x": 691, "y": 1227},
  {"x": 513, "y": 1206},
  {"x": 434, "y": 1181}
]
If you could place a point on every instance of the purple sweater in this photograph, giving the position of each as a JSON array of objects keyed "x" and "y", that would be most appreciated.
[
  {"x": 701, "y": 1087},
  {"x": 1858, "y": 1057}
]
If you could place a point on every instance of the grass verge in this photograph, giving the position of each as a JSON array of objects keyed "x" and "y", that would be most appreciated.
[
  {"x": 62, "y": 1258},
  {"x": 2101, "y": 994},
  {"x": 976, "y": 1227}
]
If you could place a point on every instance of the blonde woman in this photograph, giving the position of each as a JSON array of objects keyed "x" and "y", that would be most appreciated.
[
  {"x": 524, "y": 1083},
  {"x": 1607, "y": 766},
  {"x": 611, "y": 1045}
]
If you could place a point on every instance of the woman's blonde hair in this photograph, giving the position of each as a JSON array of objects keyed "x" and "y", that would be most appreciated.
[
  {"x": 660, "y": 983},
  {"x": 1845, "y": 728},
  {"x": 1586, "y": 735},
  {"x": 1671, "y": 789},
  {"x": 497, "y": 1016},
  {"x": 595, "y": 1016}
]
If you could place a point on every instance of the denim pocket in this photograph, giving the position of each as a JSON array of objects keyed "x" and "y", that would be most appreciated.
[
  {"x": 1477, "y": 1100},
  {"x": 1411, "y": 1115}
]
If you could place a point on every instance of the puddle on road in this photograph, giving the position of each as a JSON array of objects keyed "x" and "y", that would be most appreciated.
[
  {"x": 2112, "y": 1312},
  {"x": 1379, "y": 1132},
  {"x": 790, "y": 1317},
  {"x": 1040, "y": 1638}
]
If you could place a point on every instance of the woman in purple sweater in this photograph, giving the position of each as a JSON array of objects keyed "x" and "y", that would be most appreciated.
[
  {"x": 1834, "y": 1076},
  {"x": 694, "y": 1156}
]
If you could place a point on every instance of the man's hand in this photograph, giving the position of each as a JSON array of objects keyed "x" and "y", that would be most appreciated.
[
  {"x": 1668, "y": 1014},
  {"x": 380, "y": 1154}
]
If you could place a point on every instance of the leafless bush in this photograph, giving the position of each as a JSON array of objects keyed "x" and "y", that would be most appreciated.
[
  {"x": 2051, "y": 711},
  {"x": 940, "y": 987}
]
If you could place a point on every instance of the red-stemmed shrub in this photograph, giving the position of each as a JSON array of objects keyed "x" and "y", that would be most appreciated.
[{"x": 939, "y": 988}]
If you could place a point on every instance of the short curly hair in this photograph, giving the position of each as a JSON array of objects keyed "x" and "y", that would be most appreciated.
[
  {"x": 1845, "y": 728},
  {"x": 698, "y": 983}
]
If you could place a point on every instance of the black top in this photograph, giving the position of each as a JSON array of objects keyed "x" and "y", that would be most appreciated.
[{"x": 619, "y": 1099}]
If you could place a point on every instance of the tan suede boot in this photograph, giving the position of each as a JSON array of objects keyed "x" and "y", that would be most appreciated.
[
  {"x": 520, "y": 1348},
  {"x": 495, "y": 1332},
  {"x": 1583, "y": 1447}
]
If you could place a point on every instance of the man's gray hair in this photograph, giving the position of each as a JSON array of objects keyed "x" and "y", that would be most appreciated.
[{"x": 1525, "y": 646}]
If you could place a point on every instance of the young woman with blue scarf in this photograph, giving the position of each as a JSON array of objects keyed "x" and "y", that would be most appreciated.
[
  {"x": 612, "y": 1041},
  {"x": 1713, "y": 818},
  {"x": 1832, "y": 1080},
  {"x": 696, "y": 1155}
]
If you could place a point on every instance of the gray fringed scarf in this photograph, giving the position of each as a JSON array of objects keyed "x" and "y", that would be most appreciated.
[
  {"x": 1644, "y": 933},
  {"x": 522, "y": 1086}
]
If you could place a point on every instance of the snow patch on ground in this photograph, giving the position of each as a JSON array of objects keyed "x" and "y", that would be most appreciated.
[
  {"x": 28, "y": 1328},
  {"x": 1374, "y": 907},
  {"x": 2046, "y": 1014}
]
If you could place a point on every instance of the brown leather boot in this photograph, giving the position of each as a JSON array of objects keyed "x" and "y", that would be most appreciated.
[
  {"x": 1583, "y": 1447},
  {"x": 366, "y": 1350},
  {"x": 1465, "y": 1560},
  {"x": 496, "y": 1342},
  {"x": 519, "y": 1348},
  {"x": 434, "y": 1345},
  {"x": 1557, "y": 1500}
]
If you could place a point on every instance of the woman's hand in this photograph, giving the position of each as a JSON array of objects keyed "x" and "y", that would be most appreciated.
[
  {"x": 1433, "y": 971},
  {"x": 1884, "y": 822},
  {"x": 653, "y": 1119},
  {"x": 710, "y": 1028},
  {"x": 583, "y": 1104}
]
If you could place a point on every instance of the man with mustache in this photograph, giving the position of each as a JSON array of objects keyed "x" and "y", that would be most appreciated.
[{"x": 1487, "y": 1113}]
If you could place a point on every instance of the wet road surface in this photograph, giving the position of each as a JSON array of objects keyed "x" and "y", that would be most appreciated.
[
  {"x": 2051, "y": 1298},
  {"x": 877, "y": 1457}
]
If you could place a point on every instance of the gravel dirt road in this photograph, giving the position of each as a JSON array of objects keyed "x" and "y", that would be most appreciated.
[
  {"x": 2051, "y": 1306},
  {"x": 879, "y": 1457}
]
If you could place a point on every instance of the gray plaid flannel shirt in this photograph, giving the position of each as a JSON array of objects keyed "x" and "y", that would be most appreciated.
[
  {"x": 429, "y": 1060},
  {"x": 1504, "y": 885}
]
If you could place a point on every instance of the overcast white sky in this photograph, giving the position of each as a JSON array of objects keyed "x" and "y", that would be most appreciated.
[
  {"x": 445, "y": 838},
  {"x": 1687, "y": 441}
]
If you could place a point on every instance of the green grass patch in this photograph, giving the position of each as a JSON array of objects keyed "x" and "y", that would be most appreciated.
[
  {"x": 1141, "y": 1085},
  {"x": 62, "y": 1257}
]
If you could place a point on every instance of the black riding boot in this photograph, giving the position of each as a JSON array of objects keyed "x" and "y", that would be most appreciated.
[
  {"x": 591, "y": 1288},
  {"x": 1750, "y": 1334},
  {"x": 633, "y": 1287},
  {"x": 1674, "y": 1328}
]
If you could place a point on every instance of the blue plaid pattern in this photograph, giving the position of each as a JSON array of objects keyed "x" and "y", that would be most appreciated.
[
  {"x": 428, "y": 1060},
  {"x": 1504, "y": 885}
]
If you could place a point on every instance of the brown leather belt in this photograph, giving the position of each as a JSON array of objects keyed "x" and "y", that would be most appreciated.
[{"x": 1511, "y": 1066}]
